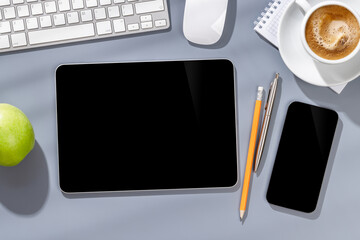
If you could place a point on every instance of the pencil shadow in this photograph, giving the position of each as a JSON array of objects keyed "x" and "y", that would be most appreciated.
[{"x": 316, "y": 213}]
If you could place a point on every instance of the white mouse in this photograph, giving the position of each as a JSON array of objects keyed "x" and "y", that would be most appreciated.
[{"x": 204, "y": 20}]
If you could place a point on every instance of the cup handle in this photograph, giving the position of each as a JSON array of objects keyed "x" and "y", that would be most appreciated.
[{"x": 304, "y": 5}]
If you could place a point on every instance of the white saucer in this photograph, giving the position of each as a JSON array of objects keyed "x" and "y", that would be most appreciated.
[{"x": 300, "y": 63}]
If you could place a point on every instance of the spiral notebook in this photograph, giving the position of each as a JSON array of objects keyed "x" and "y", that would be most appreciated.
[{"x": 267, "y": 25}]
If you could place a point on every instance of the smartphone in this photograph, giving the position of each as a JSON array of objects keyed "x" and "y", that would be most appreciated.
[{"x": 302, "y": 157}]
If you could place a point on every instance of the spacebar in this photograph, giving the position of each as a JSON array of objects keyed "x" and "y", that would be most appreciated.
[{"x": 61, "y": 34}]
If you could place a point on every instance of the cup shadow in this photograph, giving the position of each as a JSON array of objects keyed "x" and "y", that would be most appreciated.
[
  {"x": 346, "y": 101},
  {"x": 24, "y": 188}
]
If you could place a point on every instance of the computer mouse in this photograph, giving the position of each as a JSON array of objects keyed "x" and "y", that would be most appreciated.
[{"x": 204, "y": 20}]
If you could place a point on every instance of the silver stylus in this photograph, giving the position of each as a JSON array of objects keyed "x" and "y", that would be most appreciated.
[{"x": 265, "y": 125}]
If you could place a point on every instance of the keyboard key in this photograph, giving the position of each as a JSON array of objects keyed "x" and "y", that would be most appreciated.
[
  {"x": 45, "y": 21},
  {"x": 146, "y": 25},
  {"x": 4, "y": 41},
  {"x": 105, "y": 2},
  {"x": 0, "y": 15},
  {"x": 30, "y": 1},
  {"x": 160, "y": 23},
  {"x": 150, "y": 6},
  {"x": 9, "y": 13},
  {"x": 32, "y": 23},
  {"x": 18, "y": 1},
  {"x": 59, "y": 19},
  {"x": 133, "y": 27},
  {"x": 99, "y": 13},
  {"x": 127, "y": 10},
  {"x": 36, "y": 9},
  {"x": 103, "y": 28},
  {"x": 119, "y": 1},
  {"x": 91, "y": 3},
  {"x": 119, "y": 25},
  {"x": 145, "y": 18},
  {"x": 72, "y": 17},
  {"x": 113, "y": 12},
  {"x": 23, "y": 11},
  {"x": 64, "y": 5},
  {"x": 18, "y": 25},
  {"x": 4, "y": 3},
  {"x": 18, "y": 40},
  {"x": 86, "y": 15},
  {"x": 78, "y": 4},
  {"x": 61, "y": 34},
  {"x": 50, "y": 7},
  {"x": 5, "y": 27}
]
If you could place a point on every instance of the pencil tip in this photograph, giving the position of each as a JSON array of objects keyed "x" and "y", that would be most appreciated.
[{"x": 242, "y": 212}]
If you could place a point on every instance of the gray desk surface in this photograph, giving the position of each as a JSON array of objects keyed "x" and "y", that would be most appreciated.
[{"x": 33, "y": 207}]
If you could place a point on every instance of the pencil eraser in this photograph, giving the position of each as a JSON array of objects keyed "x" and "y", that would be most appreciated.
[{"x": 260, "y": 93}]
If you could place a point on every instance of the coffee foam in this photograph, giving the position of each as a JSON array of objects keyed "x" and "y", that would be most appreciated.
[
  {"x": 333, "y": 35},
  {"x": 332, "y": 32}
]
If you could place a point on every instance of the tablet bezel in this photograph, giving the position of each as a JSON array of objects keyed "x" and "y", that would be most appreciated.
[{"x": 161, "y": 190}]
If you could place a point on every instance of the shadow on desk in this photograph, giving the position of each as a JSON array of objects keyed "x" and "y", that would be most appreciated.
[
  {"x": 153, "y": 192},
  {"x": 25, "y": 187},
  {"x": 316, "y": 213},
  {"x": 347, "y": 101}
]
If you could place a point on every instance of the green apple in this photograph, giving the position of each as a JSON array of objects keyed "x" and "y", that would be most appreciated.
[{"x": 17, "y": 136}]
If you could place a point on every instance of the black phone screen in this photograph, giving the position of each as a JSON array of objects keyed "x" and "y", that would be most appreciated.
[{"x": 302, "y": 157}]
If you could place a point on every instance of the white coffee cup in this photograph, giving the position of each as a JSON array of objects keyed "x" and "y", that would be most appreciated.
[{"x": 307, "y": 9}]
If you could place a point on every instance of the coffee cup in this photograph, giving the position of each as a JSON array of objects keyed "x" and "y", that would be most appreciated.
[{"x": 330, "y": 31}]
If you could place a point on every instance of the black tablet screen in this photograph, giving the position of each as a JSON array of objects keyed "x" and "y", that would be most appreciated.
[
  {"x": 143, "y": 126},
  {"x": 302, "y": 157}
]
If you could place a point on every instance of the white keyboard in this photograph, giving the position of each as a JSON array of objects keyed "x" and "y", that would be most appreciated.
[{"x": 27, "y": 24}]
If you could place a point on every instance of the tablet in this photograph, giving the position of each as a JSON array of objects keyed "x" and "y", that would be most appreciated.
[{"x": 146, "y": 126}]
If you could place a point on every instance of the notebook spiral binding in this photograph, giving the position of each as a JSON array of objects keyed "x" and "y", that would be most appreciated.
[{"x": 266, "y": 14}]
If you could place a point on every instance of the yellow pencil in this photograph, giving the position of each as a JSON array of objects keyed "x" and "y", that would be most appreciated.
[{"x": 251, "y": 151}]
